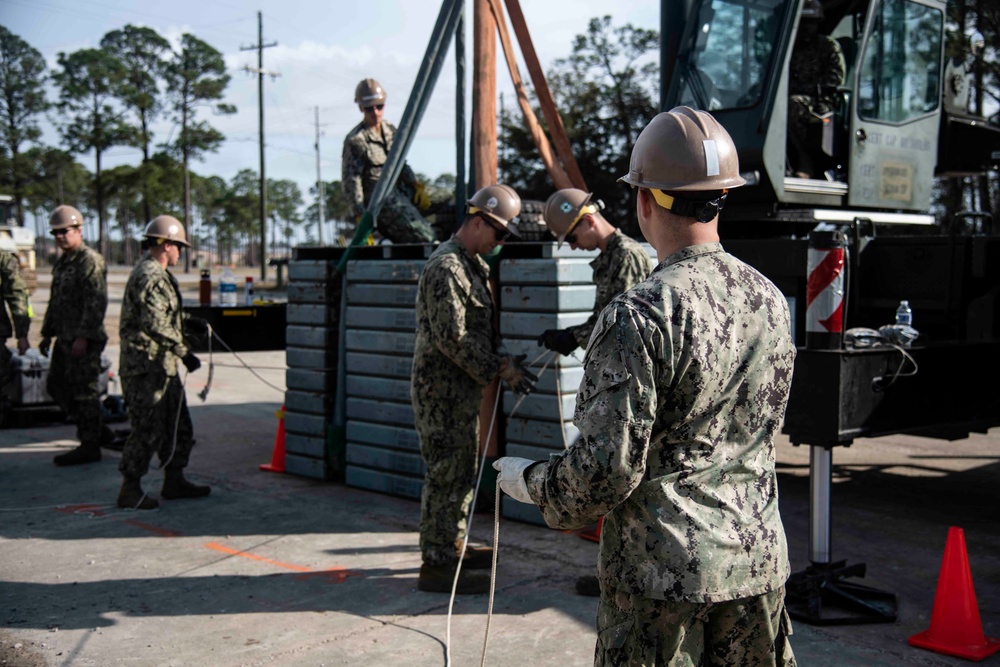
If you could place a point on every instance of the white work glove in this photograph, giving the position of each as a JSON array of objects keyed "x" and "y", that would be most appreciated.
[{"x": 511, "y": 477}]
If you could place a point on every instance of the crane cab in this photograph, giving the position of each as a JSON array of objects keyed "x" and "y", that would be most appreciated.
[{"x": 832, "y": 104}]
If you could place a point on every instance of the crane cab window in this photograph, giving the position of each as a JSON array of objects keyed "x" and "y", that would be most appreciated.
[
  {"x": 899, "y": 77},
  {"x": 728, "y": 54}
]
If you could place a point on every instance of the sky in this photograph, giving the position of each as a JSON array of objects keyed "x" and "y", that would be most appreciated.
[{"x": 323, "y": 50}]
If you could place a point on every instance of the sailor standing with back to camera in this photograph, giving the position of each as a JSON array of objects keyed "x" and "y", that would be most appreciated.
[{"x": 685, "y": 385}]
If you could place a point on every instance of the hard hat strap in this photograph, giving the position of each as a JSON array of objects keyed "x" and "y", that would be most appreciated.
[
  {"x": 702, "y": 211},
  {"x": 590, "y": 209}
]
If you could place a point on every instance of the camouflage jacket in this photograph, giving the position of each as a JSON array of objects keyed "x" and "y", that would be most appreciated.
[
  {"x": 365, "y": 153},
  {"x": 15, "y": 293},
  {"x": 685, "y": 385},
  {"x": 622, "y": 265},
  {"x": 152, "y": 334},
  {"x": 455, "y": 350},
  {"x": 817, "y": 73},
  {"x": 79, "y": 297}
]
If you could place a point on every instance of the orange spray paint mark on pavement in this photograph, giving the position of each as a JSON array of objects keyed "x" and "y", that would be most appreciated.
[
  {"x": 334, "y": 576},
  {"x": 93, "y": 510},
  {"x": 163, "y": 532},
  {"x": 337, "y": 575}
]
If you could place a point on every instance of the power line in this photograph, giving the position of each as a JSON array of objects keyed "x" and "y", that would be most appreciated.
[
  {"x": 259, "y": 47},
  {"x": 320, "y": 189}
]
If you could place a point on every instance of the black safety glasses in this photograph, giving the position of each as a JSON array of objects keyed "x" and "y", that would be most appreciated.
[
  {"x": 502, "y": 233},
  {"x": 373, "y": 107}
]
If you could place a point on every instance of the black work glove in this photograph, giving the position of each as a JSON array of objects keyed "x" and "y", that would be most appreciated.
[
  {"x": 196, "y": 325},
  {"x": 191, "y": 362},
  {"x": 519, "y": 378},
  {"x": 559, "y": 340}
]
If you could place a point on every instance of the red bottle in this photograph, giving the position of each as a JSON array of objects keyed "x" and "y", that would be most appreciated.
[{"x": 205, "y": 288}]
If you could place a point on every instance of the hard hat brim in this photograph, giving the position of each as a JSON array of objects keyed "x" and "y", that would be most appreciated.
[{"x": 562, "y": 237}]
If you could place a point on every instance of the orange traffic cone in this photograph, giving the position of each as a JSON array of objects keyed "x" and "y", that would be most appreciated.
[
  {"x": 277, "y": 463},
  {"x": 593, "y": 535},
  {"x": 956, "y": 628}
]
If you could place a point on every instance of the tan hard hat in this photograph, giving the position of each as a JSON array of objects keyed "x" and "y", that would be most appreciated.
[
  {"x": 64, "y": 217},
  {"x": 564, "y": 209},
  {"x": 167, "y": 227},
  {"x": 500, "y": 202},
  {"x": 684, "y": 150},
  {"x": 369, "y": 92}
]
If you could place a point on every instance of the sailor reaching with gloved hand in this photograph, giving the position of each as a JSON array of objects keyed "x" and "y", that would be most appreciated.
[
  {"x": 574, "y": 217},
  {"x": 456, "y": 355}
]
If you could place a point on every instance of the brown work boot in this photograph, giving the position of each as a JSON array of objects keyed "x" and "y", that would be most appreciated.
[
  {"x": 589, "y": 586},
  {"x": 85, "y": 453},
  {"x": 132, "y": 497},
  {"x": 476, "y": 558},
  {"x": 439, "y": 579},
  {"x": 175, "y": 486}
]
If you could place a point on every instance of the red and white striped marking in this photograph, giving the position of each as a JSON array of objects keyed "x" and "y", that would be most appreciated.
[{"x": 825, "y": 291}]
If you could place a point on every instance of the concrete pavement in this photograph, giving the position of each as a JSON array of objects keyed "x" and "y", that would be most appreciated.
[{"x": 273, "y": 569}]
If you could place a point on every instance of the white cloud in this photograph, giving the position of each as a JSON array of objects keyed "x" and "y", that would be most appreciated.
[{"x": 323, "y": 49}]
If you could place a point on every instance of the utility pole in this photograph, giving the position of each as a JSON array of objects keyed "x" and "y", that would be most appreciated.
[
  {"x": 259, "y": 47},
  {"x": 320, "y": 190}
]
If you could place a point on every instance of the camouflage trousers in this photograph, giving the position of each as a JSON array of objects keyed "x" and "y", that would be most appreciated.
[
  {"x": 633, "y": 630},
  {"x": 72, "y": 384},
  {"x": 441, "y": 215},
  {"x": 156, "y": 402},
  {"x": 401, "y": 222},
  {"x": 449, "y": 437}
]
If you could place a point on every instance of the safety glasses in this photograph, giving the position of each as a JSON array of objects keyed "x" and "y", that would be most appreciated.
[
  {"x": 60, "y": 232},
  {"x": 374, "y": 107},
  {"x": 502, "y": 233}
]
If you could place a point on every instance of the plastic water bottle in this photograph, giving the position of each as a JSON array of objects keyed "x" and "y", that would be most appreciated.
[
  {"x": 904, "y": 314},
  {"x": 227, "y": 288},
  {"x": 248, "y": 291}
]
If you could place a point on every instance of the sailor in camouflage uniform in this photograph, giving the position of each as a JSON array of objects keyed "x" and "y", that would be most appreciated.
[
  {"x": 152, "y": 342},
  {"x": 575, "y": 219},
  {"x": 685, "y": 385},
  {"x": 456, "y": 355},
  {"x": 366, "y": 149},
  {"x": 814, "y": 77},
  {"x": 14, "y": 293},
  {"x": 75, "y": 318}
]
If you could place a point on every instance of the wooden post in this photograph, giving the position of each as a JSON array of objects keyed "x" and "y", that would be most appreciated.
[
  {"x": 556, "y": 172},
  {"x": 552, "y": 117},
  {"x": 484, "y": 164},
  {"x": 484, "y": 96}
]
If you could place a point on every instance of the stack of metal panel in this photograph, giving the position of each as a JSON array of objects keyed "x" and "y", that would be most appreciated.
[
  {"x": 382, "y": 449},
  {"x": 311, "y": 339},
  {"x": 550, "y": 291}
]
